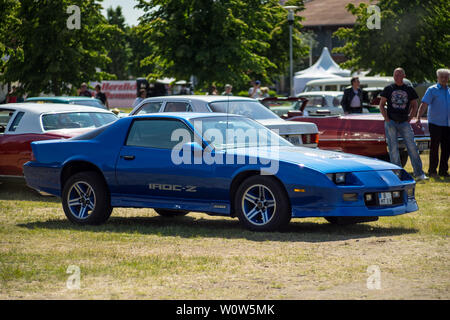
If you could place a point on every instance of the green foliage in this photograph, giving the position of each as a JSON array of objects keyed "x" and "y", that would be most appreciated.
[
  {"x": 50, "y": 57},
  {"x": 221, "y": 41},
  {"x": 119, "y": 53},
  {"x": 414, "y": 34},
  {"x": 8, "y": 22},
  {"x": 139, "y": 50}
]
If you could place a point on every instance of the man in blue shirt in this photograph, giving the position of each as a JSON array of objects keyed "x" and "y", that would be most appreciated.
[{"x": 437, "y": 99}]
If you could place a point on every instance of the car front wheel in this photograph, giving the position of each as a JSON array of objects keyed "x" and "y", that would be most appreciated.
[
  {"x": 261, "y": 204},
  {"x": 85, "y": 199}
]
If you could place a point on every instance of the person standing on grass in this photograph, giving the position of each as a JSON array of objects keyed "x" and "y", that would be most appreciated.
[
  {"x": 353, "y": 97},
  {"x": 142, "y": 96},
  {"x": 101, "y": 96},
  {"x": 437, "y": 99},
  {"x": 227, "y": 92},
  {"x": 401, "y": 108},
  {"x": 255, "y": 91},
  {"x": 83, "y": 91}
]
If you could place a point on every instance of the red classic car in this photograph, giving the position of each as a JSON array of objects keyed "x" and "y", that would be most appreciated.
[
  {"x": 361, "y": 134},
  {"x": 21, "y": 124}
]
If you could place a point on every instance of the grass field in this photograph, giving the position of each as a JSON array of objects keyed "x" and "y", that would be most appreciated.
[{"x": 139, "y": 255}]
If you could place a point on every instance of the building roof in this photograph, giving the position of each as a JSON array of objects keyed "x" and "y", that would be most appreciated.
[{"x": 328, "y": 13}]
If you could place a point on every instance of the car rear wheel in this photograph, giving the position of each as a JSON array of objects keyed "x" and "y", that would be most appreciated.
[
  {"x": 171, "y": 213},
  {"x": 85, "y": 199},
  {"x": 261, "y": 204}
]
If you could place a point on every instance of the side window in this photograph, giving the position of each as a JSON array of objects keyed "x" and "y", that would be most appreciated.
[
  {"x": 177, "y": 107},
  {"x": 5, "y": 116},
  {"x": 158, "y": 133},
  {"x": 315, "y": 101},
  {"x": 331, "y": 87},
  {"x": 16, "y": 121},
  {"x": 150, "y": 107},
  {"x": 337, "y": 101}
]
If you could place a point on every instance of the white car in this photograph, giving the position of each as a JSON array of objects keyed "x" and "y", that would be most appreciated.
[
  {"x": 23, "y": 123},
  {"x": 323, "y": 103},
  {"x": 298, "y": 133}
]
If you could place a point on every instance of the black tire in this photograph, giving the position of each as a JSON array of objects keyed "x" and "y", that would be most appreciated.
[
  {"x": 279, "y": 209},
  {"x": 97, "y": 205},
  {"x": 345, "y": 221},
  {"x": 171, "y": 213}
]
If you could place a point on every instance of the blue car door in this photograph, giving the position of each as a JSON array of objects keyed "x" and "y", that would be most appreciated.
[{"x": 148, "y": 168}]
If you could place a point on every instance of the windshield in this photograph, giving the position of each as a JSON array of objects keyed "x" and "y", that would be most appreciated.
[
  {"x": 250, "y": 109},
  {"x": 71, "y": 120},
  {"x": 236, "y": 132}
]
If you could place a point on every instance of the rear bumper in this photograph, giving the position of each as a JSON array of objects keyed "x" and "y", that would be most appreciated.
[{"x": 43, "y": 178}]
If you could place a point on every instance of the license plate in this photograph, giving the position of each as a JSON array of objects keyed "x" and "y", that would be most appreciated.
[
  {"x": 385, "y": 198},
  {"x": 423, "y": 145}
]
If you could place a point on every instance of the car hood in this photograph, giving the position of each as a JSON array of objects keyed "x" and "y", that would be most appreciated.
[
  {"x": 285, "y": 127},
  {"x": 319, "y": 160}
]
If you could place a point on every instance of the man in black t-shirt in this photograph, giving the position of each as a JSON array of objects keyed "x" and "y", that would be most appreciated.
[{"x": 401, "y": 108}]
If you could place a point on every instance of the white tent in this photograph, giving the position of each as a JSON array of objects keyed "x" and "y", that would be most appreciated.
[{"x": 325, "y": 67}]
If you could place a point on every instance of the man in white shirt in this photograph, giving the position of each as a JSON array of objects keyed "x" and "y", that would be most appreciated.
[{"x": 255, "y": 91}]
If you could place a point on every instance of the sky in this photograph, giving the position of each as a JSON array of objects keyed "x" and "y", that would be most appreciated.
[{"x": 131, "y": 15}]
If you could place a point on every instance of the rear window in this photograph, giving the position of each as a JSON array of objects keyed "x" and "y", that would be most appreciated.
[
  {"x": 5, "y": 116},
  {"x": 90, "y": 103},
  {"x": 16, "y": 121},
  {"x": 72, "y": 120}
]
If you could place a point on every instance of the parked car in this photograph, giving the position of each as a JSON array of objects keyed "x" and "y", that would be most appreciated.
[
  {"x": 20, "y": 124},
  {"x": 361, "y": 134},
  {"x": 134, "y": 163},
  {"x": 302, "y": 133},
  {"x": 340, "y": 83},
  {"x": 82, "y": 101},
  {"x": 319, "y": 103}
]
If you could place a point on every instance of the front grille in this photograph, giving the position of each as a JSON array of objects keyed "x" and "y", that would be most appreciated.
[{"x": 374, "y": 199}]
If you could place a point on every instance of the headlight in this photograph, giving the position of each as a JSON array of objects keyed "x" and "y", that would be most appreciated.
[
  {"x": 337, "y": 178},
  {"x": 402, "y": 174},
  {"x": 398, "y": 173}
]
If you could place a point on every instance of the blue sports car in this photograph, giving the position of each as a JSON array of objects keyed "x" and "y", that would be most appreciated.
[{"x": 220, "y": 164}]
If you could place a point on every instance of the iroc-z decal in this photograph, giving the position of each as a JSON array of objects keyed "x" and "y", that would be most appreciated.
[{"x": 171, "y": 187}]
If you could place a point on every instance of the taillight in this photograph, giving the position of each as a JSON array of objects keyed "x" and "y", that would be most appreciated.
[
  {"x": 310, "y": 138},
  {"x": 32, "y": 156}
]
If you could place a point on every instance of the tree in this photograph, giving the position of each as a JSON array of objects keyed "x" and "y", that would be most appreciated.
[
  {"x": 49, "y": 55},
  {"x": 7, "y": 23},
  {"x": 218, "y": 41},
  {"x": 119, "y": 53},
  {"x": 414, "y": 34},
  {"x": 140, "y": 49}
]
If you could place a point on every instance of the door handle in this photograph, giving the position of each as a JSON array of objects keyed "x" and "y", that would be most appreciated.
[{"x": 127, "y": 157}]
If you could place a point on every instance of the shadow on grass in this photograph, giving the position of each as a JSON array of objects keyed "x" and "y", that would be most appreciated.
[
  {"x": 190, "y": 227},
  {"x": 16, "y": 189}
]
